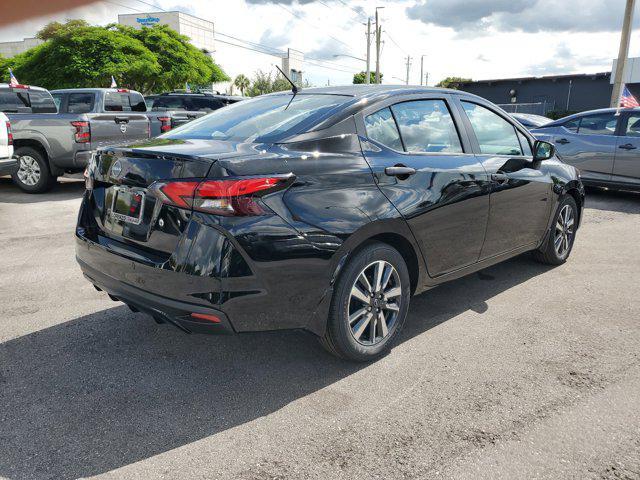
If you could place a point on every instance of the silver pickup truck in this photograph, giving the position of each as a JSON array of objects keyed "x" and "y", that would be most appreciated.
[{"x": 56, "y": 135}]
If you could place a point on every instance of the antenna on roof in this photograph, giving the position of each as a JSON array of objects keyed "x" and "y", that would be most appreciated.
[{"x": 294, "y": 87}]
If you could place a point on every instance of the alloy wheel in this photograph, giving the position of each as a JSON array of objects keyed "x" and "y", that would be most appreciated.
[
  {"x": 374, "y": 303},
  {"x": 564, "y": 231},
  {"x": 28, "y": 170}
]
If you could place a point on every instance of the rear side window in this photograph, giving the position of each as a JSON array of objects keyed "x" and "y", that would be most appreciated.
[
  {"x": 14, "y": 101},
  {"x": 381, "y": 127},
  {"x": 42, "y": 102},
  {"x": 80, "y": 102},
  {"x": 427, "y": 126},
  {"x": 495, "y": 135},
  {"x": 204, "y": 103},
  {"x": 600, "y": 124},
  {"x": 169, "y": 102}
]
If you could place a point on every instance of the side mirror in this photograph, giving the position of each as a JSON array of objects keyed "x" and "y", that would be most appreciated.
[{"x": 543, "y": 150}]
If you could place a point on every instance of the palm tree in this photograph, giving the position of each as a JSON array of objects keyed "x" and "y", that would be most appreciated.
[{"x": 241, "y": 82}]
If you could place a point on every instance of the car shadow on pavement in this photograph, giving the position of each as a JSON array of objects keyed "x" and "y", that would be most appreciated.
[
  {"x": 64, "y": 189},
  {"x": 112, "y": 388},
  {"x": 612, "y": 200}
]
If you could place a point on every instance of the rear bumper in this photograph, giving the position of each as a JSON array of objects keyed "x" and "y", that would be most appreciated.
[
  {"x": 90, "y": 255},
  {"x": 8, "y": 166}
]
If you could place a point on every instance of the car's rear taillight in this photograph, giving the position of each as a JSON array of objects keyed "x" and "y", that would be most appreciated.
[
  {"x": 83, "y": 132},
  {"x": 165, "y": 124},
  {"x": 229, "y": 197},
  {"x": 9, "y": 134}
]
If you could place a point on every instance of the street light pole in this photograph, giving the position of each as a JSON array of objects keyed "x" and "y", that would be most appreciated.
[
  {"x": 421, "y": 69},
  {"x": 408, "y": 66},
  {"x": 367, "y": 78},
  {"x": 623, "y": 53}
]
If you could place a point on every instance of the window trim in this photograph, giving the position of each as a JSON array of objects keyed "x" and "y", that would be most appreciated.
[
  {"x": 476, "y": 143},
  {"x": 405, "y": 152}
]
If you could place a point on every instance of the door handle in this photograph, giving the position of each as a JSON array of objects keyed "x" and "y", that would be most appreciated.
[
  {"x": 499, "y": 177},
  {"x": 121, "y": 119},
  {"x": 563, "y": 141},
  {"x": 399, "y": 171},
  {"x": 628, "y": 146}
]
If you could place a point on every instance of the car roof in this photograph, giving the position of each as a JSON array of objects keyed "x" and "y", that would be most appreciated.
[
  {"x": 39, "y": 89},
  {"x": 67, "y": 90}
]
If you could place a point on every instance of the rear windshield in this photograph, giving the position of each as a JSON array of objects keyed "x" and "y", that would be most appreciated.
[
  {"x": 26, "y": 101},
  {"x": 124, "y": 102},
  {"x": 265, "y": 119}
]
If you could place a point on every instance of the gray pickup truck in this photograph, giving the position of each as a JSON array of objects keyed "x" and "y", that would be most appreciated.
[
  {"x": 57, "y": 135},
  {"x": 172, "y": 109}
]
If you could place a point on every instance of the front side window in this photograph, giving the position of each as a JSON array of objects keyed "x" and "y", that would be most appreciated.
[
  {"x": 269, "y": 118},
  {"x": 427, "y": 126},
  {"x": 381, "y": 127},
  {"x": 524, "y": 143},
  {"x": 80, "y": 102},
  {"x": 496, "y": 136},
  {"x": 633, "y": 126},
  {"x": 600, "y": 124}
]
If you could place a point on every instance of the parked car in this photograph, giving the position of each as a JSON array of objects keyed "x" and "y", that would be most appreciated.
[
  {"x": 530, "y": 120},
  {"x": 8, "y": 164},
  {"x": 49, "y": 142},
  {"x": 603, "y": 144},
  {"x": 327, "y": 214},
  {"x": 172, "y": 109}
]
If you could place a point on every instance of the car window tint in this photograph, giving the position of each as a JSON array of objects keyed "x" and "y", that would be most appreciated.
[
  {"x": 14, "y": 102},
  {"x": 80, "y": 102},
  {"x": 169, "y": 102},
  {"x": 427, "y": 126},
  {"x": 42, "y": 102},
  {"x": 495, "y": 135},
  {"x": 136, "y": 100},
  {"x": 382, "y": 128},
  {"x": 633, "y": 126},
  {"x": 115, "y": 102},
  {"x": 204, "y": 103},
  {"x": 526, "y": 146},
  {"x": 600, "y": 124},
  {"x": 572, "y": 125}
]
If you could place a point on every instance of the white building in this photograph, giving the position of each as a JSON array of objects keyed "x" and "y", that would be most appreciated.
[
  {"x": 199, "y": 31},
  {"x": 292, "y": 64},
  {"x": 10, "y": 49}
]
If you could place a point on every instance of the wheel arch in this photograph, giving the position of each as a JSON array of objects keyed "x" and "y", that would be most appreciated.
[{"x": 36, "y": 145}]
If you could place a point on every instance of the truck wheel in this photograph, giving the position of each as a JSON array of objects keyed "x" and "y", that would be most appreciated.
[{"x": 33, "y": 175}]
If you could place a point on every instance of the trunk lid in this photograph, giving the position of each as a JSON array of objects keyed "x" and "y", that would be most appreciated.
[{"x": 123, "y": 208}]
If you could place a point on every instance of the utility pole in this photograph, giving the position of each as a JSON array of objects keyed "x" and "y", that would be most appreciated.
[
  {"x": 623, "y": 53},
  {"x": 408, "y": 67},
  {"x": 426, "y": 81},
  {"x": 367, "y": 78},
  {"x": 378, "y": 39},
  {"x": 421, "y": 69}
]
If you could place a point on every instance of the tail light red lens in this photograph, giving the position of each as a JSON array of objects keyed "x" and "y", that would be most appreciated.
[
  {"x": 165, "y": 124},
  {"x": 230, "y": 197},
  {"x": 9, "y": 133},
  {"x": 83, "y": 132}
]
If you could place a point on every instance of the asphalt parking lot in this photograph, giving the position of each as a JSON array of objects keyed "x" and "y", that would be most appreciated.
[{"x": 519, "y": 371}]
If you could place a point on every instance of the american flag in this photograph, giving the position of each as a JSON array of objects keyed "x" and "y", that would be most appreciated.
[
  {"x": 627, "y": 100},
  {"x": 13, "y": 81}
]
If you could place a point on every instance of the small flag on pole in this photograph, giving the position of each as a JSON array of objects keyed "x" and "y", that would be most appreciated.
[
  {"x": 187, "y": 88},
  {"x": 627, "y": 100},
  {"x": 113, "y": 82},
  {"x": 13, "y": 81}
]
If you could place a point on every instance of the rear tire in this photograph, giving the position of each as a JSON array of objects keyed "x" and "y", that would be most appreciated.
[
  {"x": 559, "y": 243},
  {"x": 33, "y": 174},
  {"x": 369, "y": 304}
]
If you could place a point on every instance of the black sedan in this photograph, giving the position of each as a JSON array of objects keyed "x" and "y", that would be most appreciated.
[{"x": 324, "y": 210}]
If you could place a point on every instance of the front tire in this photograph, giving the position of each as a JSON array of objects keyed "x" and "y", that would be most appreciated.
[
  {"x": 33, "y": 175},
  {"x": 559, "y": 243},
  {"x": 369, "y": 305}
]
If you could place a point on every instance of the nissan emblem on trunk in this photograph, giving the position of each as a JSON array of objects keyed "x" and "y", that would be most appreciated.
[
  {"x": 123, "y": 127},
  {"x": 116, "y": 169}
]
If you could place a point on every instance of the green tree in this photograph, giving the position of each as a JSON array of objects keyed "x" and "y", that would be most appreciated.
[
  {"x": 452, "y": 82},
  {"x": 241, "y": 83},
  {"x": 361, "y": 76},
  {"x": 54, "y": 29},
  {"x": 264, "y": 83},
  {"x": 180, "y": 62}
]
